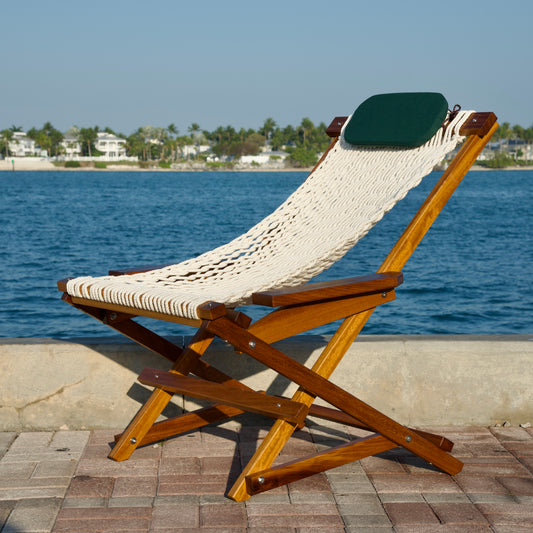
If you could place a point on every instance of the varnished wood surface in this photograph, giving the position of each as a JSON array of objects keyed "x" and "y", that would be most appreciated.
[
  {"x": 264, "y": 480},
  {"x": 334, "y": 129},
  {"x": 478, "y": 124},
  {"x": 136, "y": 270},
  {"x": 326, "y": 290},
  {"x": 289, "y": 321},
  {"x": 254, "y": 402},
  {"x": 185, "y": 422}
]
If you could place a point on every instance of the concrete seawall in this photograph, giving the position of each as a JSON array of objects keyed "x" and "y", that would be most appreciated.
[{"x": 48, "y": 384}]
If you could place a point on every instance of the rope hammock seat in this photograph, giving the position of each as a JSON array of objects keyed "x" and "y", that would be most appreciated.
[{"x": 345, "y": 195}]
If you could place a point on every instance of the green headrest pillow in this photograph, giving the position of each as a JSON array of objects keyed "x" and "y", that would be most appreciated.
[{"x": 397, "y": 119}]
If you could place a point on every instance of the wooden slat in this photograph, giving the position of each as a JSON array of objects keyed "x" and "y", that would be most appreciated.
[
  {"x": 327, "y": 413},
  {"x": 325, "y": 290},
  {"x": 201, "y": 417},
  {"x": 186, "y": 422},
  {"x": 254, "y": 402},
  {"x": 136, "y": 270},
  {"x": 292, "y": 320},
  {"x": 134, "y": 311},
  {"x": 264, "y": 480}
]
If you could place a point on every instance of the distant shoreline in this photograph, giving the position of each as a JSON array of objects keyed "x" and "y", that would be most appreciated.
[{"x": 34, "y": 164}]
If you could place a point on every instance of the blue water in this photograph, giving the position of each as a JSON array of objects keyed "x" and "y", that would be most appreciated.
[{"x": 471, "y": 274}]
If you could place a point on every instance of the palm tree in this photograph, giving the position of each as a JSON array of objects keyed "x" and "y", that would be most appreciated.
[
  {"x": 7, "y": 136},
  {"x": 306, "y": 127},
  {"x": 193, "y": 129},
  {"x": 172, "y": 130},
  {"x": 171, "y": 141},
  {"x": 268, "y": 127},
  {"x": 87, "y": 138}
]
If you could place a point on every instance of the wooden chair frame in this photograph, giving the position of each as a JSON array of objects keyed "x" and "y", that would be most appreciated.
[{"x": 295, "y": 310}]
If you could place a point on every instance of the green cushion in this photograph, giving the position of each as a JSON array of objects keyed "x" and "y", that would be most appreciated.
[{"x": 397, "y": 119}]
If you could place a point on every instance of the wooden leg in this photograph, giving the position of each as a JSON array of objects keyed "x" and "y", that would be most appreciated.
[
  {"x": 145, "y": 418},
  {"x": 281, "y": 431}
]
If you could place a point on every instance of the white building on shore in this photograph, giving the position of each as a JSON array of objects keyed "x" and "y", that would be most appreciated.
[
  {"x": 111, "y": 146},
  {"x": 265, "y": 158},
  {"x": 21, "y": 145},
  {"x": 70, "y": 147}
]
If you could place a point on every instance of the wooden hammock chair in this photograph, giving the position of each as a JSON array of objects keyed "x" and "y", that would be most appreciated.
[{"x": 376, "y": 156}]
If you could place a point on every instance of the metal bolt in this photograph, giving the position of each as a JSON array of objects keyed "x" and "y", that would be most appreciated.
[
  {"x": 156, "y": 376},
  {"x": 278, "y": 405},
  {"x": 251, "y": 344},
  {"x": 408, "y": 438},
  {"x": 260, "y": 480},
  {"x": 383, "y": 294},
  {"x": 133, "y": 440}
]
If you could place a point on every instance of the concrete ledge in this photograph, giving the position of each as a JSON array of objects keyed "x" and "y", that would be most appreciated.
[{"x": 460, "y": 380}]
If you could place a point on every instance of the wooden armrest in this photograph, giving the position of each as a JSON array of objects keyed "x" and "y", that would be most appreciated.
[
  {"x": 135, "y": 270},
  {"x": 328, "y": 290}
]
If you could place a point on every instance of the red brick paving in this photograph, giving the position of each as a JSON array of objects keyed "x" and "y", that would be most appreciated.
[{"x": 180, "y": 486}]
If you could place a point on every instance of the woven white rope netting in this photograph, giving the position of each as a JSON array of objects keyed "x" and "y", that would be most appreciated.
[{"x": 340, "y": 201}]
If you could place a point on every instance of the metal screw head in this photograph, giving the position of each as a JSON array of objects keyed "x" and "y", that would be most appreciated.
[
  {"x": 278, "y": 405},
  {"x": 133, "y": 440},
  {"x": 251, "y": 344},
  {"x": 156, "y": 376},
  {"x": 408, "y": 438},
  {"x": 383, "y": 294},
  {"x": 260, "y": 480}
]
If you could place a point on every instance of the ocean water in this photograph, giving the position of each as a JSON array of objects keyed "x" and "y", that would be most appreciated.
[{"x": 472, "y": 274}]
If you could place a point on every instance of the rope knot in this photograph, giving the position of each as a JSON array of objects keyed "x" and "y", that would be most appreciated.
[{"x": 451, "y": 115}]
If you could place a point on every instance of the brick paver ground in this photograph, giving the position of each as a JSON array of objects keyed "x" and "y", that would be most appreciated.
[{"x": 63, "y": 481}]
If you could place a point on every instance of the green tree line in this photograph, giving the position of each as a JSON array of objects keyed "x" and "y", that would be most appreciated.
[{"x": 304, "y": 142}]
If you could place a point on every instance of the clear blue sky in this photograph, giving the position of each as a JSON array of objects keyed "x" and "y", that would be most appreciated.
[{"x": 126, "y": 64}]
